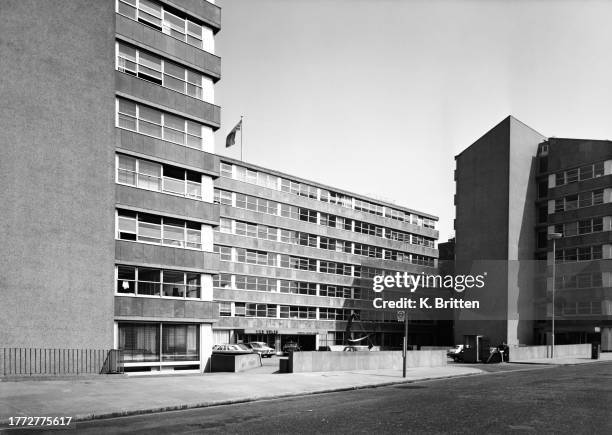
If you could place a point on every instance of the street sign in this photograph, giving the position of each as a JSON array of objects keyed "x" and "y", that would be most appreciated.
[{"x": 400, "y": 316}]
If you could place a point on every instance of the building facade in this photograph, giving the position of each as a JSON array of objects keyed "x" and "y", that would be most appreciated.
[
  {"x": 514, "y": 187},
  {"x": 108, "y": 149},
  {"x": 574, "y": 185},
  {"x": 297, "y": 259},
  {"x": 123, "y": 230}
]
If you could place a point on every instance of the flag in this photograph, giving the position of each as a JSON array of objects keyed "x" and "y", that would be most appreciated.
[{"x": 231, "y": 137}]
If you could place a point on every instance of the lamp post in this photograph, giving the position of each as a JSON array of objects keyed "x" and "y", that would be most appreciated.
[{"x": 553, "y": 237}]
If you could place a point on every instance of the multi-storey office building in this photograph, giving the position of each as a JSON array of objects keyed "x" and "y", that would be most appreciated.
[
  {"x": 297, "y": 258},
  {"x": 108, "y": 121},
  {"x": 514, "y": 188},
  {"x": 574, "y": 179}
]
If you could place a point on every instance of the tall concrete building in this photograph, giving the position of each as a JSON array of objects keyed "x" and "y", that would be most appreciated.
[
  {"x": 512, "y": 191},
  {"x": 107, "y": 154},
  {"x": 297, "y": 259}
]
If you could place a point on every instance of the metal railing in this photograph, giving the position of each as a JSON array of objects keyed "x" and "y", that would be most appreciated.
[{"x": 17, "y": 361}]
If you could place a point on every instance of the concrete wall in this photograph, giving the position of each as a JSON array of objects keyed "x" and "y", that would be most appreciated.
[
  {"x": 159, "y": 309},
  {"x": 522, "y": 196},
  {"x": 481, "y": 226},
  {"x": 537, "y": 352},
  {"x": 234, "y": 363},
  {"x": 57, "y": 137},
  {"x": 144, "y": 254},
  {"x": 300, "y": 362},
  {"x": 132, "y": 198},
  {"x": 495, "y": 231},
  {"x": 166, "y": 152}
]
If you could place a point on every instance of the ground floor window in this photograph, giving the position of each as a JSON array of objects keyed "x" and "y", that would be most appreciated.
[{"x": 155, "y": 342}]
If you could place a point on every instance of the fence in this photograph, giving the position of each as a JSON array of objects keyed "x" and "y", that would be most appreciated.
[{"x": 33, "y": 361}]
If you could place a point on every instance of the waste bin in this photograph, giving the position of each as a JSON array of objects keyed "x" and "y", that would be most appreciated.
[{"x": 595, "y": 350}]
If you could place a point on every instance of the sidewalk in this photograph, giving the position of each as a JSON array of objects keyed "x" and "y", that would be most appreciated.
[
  {"x": 565, "y": 361},
  {"x": 109, "y": 396}
]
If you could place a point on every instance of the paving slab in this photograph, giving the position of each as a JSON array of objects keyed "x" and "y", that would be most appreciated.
[{"x": 109, "y": 396}]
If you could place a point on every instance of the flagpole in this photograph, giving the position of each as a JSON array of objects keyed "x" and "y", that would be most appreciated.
[{"x": 241, "y": 134}]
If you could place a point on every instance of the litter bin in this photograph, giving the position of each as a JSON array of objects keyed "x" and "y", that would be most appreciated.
[{"x": 595, "y": 350}]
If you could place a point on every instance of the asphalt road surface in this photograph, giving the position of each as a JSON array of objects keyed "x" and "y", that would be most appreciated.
[{"x": 522, "y": 399}]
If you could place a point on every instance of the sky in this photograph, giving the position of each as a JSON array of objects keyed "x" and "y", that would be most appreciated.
[{"x": 377, "y": 97}]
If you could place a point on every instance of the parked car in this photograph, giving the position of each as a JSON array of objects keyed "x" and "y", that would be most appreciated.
[
  {"x": 356, "y": 348},
  {"x": 231, "y": 349},
  {"x": 261, "y": 348},
  {"x": 291, "y": 346},
  {"x": 456, "y": 353}
]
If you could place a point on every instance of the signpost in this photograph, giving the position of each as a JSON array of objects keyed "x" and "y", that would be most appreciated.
[{"x": 401, "y": 316}]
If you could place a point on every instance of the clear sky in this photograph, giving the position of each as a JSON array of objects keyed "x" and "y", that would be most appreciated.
[{"x": 378, "y": 96}]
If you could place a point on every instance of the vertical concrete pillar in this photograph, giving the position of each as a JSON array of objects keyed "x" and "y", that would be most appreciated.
[
  {"x": 606, "y": 339},
  {"x": 206, "y": 344}
]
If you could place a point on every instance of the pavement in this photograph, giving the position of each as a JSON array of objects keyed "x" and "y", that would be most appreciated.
[
  {"x": 113, "y": 396},
  {"x": 565, "y": 361}
]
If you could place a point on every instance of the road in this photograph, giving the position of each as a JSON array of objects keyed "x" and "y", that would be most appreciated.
[{"x": 523, "y": 399}]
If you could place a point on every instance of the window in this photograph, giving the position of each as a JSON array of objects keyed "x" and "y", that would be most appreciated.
[
  {"x": 305, "y": 239},
  {"x": 225, "y": 252},
  {"x": 294, "y": 287},
  {"x": 543, "y": 188},
  {"x": 255, "y": 257},
  {"x": 139, "y": 342},
  {"x": 155, "y": 176},
  {"x": 180, "y": 342},
  {"x": 585, "y": 253},
  {"x": 368, "y": 207},
  {"x": 429, "y": 223},
  {"x": 336, "y": 198},
  {"x": 225, "y": 309},
  {"x": 226, "y": 170},
  {"x": 258, "y": 283},
  {"x": 225, "y": 225},
  {"x": 298, "y": 263},
  {"x": 308, "y": 215},
  {"x": 223, "y": 197},
  {"x": 289, "y": 211},
  {"x": 333, "y": 291},
  {"x": 266, "y": 233},
  {"x": 571, "y": 202},
  {"x": 155, "y": 15},
  {"x": 142, "y": 281},
  {"x": 239, "y": 309},
  {"x": 153, "y": 122},
  {"x": 222, "y": 280},
  {"x": 260, "y": 310},
  {"x": 335, "y": 268},
  {"x": 295, "y": 312},
  {"x": 148, "y": 228},
  {"x": 256, "y": 204}
]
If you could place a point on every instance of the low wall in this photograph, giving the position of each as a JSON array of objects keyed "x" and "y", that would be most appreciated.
[
  {"x": 521, "y": 353},
  {"x": 300, "y": 362},
  {"x": 234, "y": 363}
]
